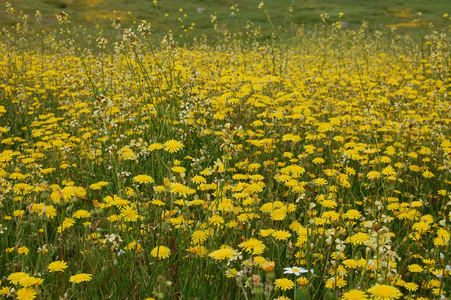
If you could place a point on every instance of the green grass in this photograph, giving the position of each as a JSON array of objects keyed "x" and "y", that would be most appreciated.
[{"x": 98, "y": 15}]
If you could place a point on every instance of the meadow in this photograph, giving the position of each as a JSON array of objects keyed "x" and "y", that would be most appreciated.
[{"x": 314, "y": 164}]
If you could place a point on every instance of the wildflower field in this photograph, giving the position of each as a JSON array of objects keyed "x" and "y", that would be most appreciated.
[{"x": 314, "y": 165}]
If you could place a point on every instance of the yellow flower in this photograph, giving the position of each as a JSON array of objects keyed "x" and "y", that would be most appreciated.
[
  {"x": 161, "y": 252},
  {"x": 155, "y": 146},
  {"x": 23, "y": 250},
  {"x": 57, "y": 266},
  {"x": 215, "y": 220},
  {"x": 336, "y": 283},
  {"x": 81, "y": 213},
  {"x": 428, "y": 174},
  {"x": 230, "y": 273},
  {"x": 302, "y": 281},
  {"x": 353, "y": 214},
  {"x": 67, "y": 223},
  {"x": 199, "y": 179},
  {"x": 143, "y": 179},
  {"x": 384, "y": 292},
  {"x": 29, "y": 281},
  {"x": 5, "y": 290},
  {"x": 199, "y": 236},
  {"x": 414, "y": 268},
  {"x": 281, "y": 235},
  {"x": 224, "y": 253},
  {"x": 411, "y": 286},
  {"x": 26, "y": 293},
  {"x": 284, "y": 284},
  {"x": 253, "y": 246},
  {"x": 354, "y": 295},
  {"x": 81, "y": 277},
  {"x": 14, "y": 278},
  {"x": 181, "y": 190},
  {"x": 373, "y": 175},
  {"x": 172, "y": 146},
  {"x": 358, "y": 238},
  {"x": 129, "y": 213}
]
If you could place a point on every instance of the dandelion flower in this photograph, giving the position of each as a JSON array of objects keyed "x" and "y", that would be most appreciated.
[
  {"x": 411, "y": 286},
  {"x": 333, "y": 283},
  {"x": 199, "y": 236},
  {"x": 294, "y": 270},
  {"x": 81, "y": 213},
  {"x": 143, "y": 179},
  {"x": 129, "y": 213},
  {"x": 253, "y": 246},
  {"x": 26, "y": 293},
  {"x": 29, "y": 281},
  {"x": 415, "y": 268},
  {"x": 384, "y": 292},
  {"x": 428, "y": 174},
  {"x": 281, "y": 235},
  {"x": 57, "y": 266},
  {"x": 81, "y": 277},
  {"x": 354, "y": 295},
  {"x": 215, "y": 220},
  {"x": 199, "y": 179},
  {"x": 161, "y": 252},
  {"x": 224, "y": 253},
  {"x": 173, "y": 146},
  {"x": 284, "y": 284},
  {"x": 23, "y": 250},
  {"x": 302, "y": 281},
  {"x": 230, "y": 273},
  {"x": 180, "y": 189},
  {"x": 155, "y": 146},
  {"x": 14, "y": 278}
]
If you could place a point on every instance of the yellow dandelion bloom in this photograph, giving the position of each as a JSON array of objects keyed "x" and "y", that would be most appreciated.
[
  {"x": 215, "y": 220},
  {"x": 57, "y": 266},
  {"x": 384, "y": 292},
  {"x": 81, "y": 213},
  {"x": 26, "y": 293},
  {"x": 354, "y": 295},
  {"x": 253, "y": 246},
  {"x": 161, "y": 252},
  {"x": 352, "y": 214},
  {"x": 23, "y": 250},
  {"x": 415, "y": 268},
  {"x": 155, "y": 146},
  {"x": 129, "y": 213},
  {"x": 14, "y": 278},
  {"x": 428, "y": 174},
  {"x": 29, "y": 281},
  {"x": 358, "y": 238},
  {"x": 332, "y": 283},
  {"x": 172, "y": 146},
  {"x": 180, "y": 189},
  {"x": 281, "y": 235},
  {"x": 284, "y": 284},
  {"x": 224, "y": 253},
  {"x": 230, "y": 273},
  {"x": 81, "y": 277},
  {"x": 198, "y": 179},
  {"x": 199, "y": 236},
  {"x": 411, "y": 286},
  {"x": 143, "y": 179}
]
